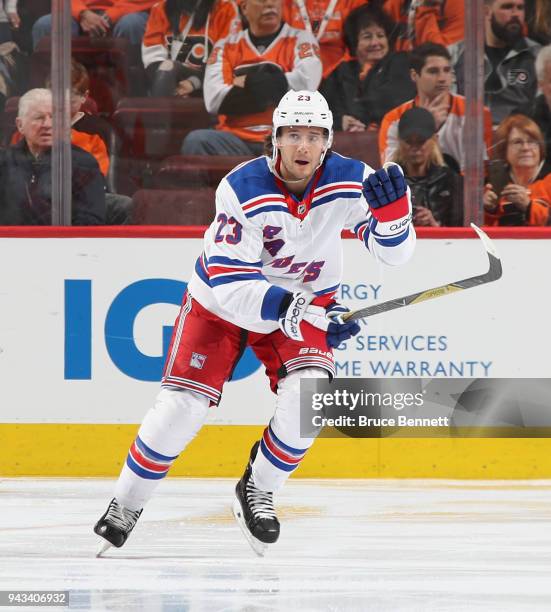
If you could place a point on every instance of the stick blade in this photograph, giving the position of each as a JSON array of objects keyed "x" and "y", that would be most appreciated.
[{"x": 495, "y": 270}]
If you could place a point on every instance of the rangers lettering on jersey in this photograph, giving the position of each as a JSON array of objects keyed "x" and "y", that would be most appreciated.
[{"x": 242, "y": 277}]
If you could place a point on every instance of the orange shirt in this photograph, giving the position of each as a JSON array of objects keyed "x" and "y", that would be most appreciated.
[
  {"x": 440, "y": 24},
  {"x": 331, "y": 42},
  {"x": 114, "y": 9},
  {"x": 443, "y": 24},
  {"x": 159, "y": 43},
  {"x": 540, "y": 203}
]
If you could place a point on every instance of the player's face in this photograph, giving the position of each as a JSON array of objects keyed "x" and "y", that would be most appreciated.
[
  {"x": 301, "y": 149},
  {"x": 523, "y": 150},
  {"x": 372, "y": 44},
  {"x": 435, "y": 77}
]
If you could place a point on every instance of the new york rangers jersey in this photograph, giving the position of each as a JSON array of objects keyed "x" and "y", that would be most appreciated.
[{"x": 264, "y": 240}]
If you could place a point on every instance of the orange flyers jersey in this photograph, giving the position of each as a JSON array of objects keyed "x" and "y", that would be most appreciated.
[
  {"x": 159, "y": 42},
  {"x": 296, "y": 52},
  {"x": 331, "y": 42},
  {"x": 444, "y": 24},
  {"x": 450, "y": 133}
]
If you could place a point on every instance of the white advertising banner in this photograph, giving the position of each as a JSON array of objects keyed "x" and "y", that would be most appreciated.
[{"x": 85, "y": 324}]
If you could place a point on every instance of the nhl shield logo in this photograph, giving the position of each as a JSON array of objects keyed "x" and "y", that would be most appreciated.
[{"x": 197, "y": 360}]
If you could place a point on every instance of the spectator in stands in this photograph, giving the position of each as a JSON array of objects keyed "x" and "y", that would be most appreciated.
[
  {"x": 93, "y": 134},
  {"x": 118, "y": 18},
  {"x": 510, "y": 75},
  {"x": 324, "y": 19},
  {"x": 26, "y": 172},
  {"x": 247, "y": 74},
  {"x": 420, "y": 21},
  {"x": 538, "y": 18},
  {"x": 432, "y": 74},
  {"x": 178, "y": 40},
  {"x": 518, "y": 195},
  {"x": 9, "y": 19},
  {"x": 539, "y": 109},
  {"x": 437, "y": 191},
  {"x": 440, "y": 21},
  {"x": 362, "y": 90}
]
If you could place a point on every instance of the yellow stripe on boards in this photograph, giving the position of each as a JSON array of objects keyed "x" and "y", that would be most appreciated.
[{"x": 222, "y": 450}]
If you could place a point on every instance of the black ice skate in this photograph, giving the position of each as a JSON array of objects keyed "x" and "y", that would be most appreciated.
[
  {"x": 115, "y": 525},
  {"x": 254, "y": 511}
]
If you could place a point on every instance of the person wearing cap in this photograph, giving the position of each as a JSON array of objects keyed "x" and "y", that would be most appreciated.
[
  {"x": 437, "y": 191},
  {"x": 267, "y": 278}
]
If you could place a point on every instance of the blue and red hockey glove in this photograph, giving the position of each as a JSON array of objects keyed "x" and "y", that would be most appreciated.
[
  {"x": 386, "y": 192},
  {"x": 302, "y": 310}
]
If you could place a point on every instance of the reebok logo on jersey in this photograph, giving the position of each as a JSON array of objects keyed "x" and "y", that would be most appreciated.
[{"x": 197, "y": 360}]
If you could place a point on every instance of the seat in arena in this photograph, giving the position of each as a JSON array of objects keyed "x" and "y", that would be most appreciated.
[
  {"x": 359, "y": 145},
  {"x": 189, "y": 170},
  {"x": 173, "y": 207},
  {"x": 150, "y": 130}
]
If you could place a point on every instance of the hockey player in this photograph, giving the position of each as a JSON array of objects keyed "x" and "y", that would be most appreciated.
[{"x": 271, "y": 264}]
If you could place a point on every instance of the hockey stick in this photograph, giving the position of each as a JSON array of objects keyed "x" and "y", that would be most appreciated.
[{"x": 494, "y": 272}]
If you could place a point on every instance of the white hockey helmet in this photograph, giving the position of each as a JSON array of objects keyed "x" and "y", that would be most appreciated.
[{"x": 303, "y": 108}]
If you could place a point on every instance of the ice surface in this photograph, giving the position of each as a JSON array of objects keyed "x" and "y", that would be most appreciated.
[{"x": 369, "y": 545}]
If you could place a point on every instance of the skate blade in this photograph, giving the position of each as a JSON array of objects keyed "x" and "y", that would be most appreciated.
[
  {"x": 104, "y": 545},
  {"x": 259, "y": 547}
]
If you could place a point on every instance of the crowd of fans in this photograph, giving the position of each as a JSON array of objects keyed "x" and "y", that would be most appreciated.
[{"x": 393, "y": 69}]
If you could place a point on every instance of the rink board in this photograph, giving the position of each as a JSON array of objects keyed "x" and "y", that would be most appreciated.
[{"x": 86, "y": 316}]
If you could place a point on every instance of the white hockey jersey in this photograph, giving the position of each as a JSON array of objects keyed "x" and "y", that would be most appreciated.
[{"x": 256, "y": 249}]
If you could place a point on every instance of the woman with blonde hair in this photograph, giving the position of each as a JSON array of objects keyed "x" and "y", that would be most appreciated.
[
  {"x": 515, "y": 193},
  {"x": 437, "y": 191}
]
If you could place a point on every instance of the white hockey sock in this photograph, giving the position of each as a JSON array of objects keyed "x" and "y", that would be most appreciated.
[
  {"x": 166, "y": 430},
  {"x": 281, "y": 448}
]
